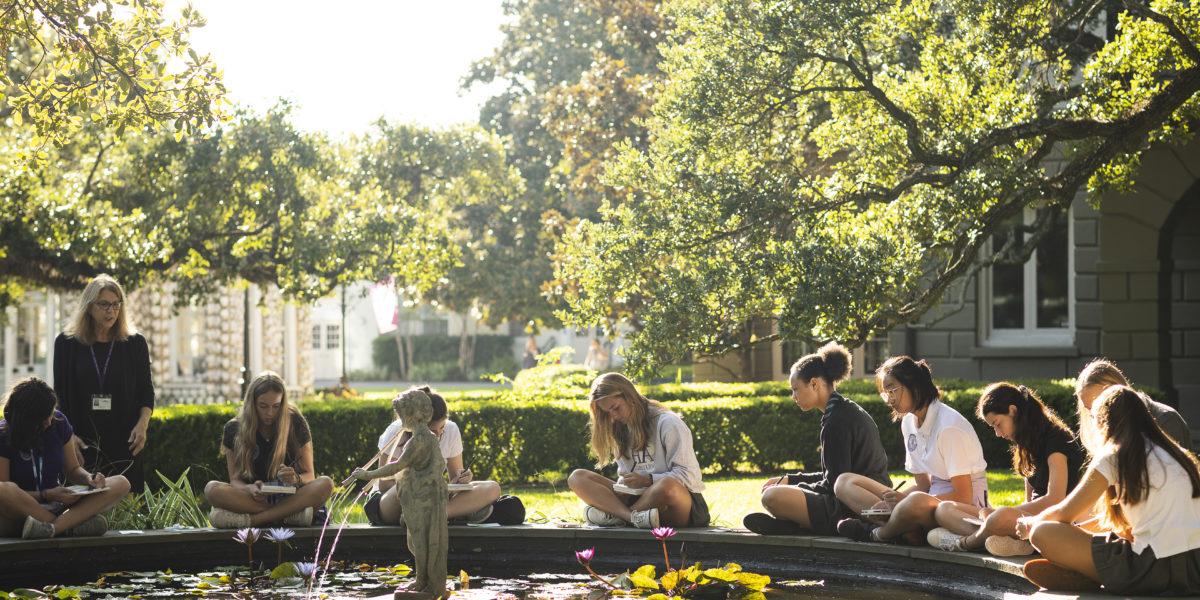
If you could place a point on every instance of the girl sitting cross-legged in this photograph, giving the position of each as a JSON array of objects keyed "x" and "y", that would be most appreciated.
[
  {"x": 1151, "y": 491},
  {"x": 659, "y": 476},
  {"x": 942, "y": 451},
  {"x": 849, "y": 442},
  {"x": 268, "y": 442},
  {"x": 1044, "y": 451},
  {"x": 37, "y": 456}
]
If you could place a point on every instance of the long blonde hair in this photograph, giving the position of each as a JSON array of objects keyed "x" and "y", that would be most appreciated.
[
  {"x": 83, "y": 327},
  {"x": 248, "y": 426},
  {"x": 610, "y": 439},
  {"x": 1100, "y": 371}
]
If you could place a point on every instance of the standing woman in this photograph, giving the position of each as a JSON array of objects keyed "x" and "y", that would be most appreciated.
[
  {"x": 102, "y": 379},
  {"x": 268, "y": 442},
  {"x": 849, "y": 438},
  {"x": 1044, "y": 452},
  {"x": 1151, "y": 491},
  {"x": 942, "y": 451},
  {"x": 656, "y": 465}
]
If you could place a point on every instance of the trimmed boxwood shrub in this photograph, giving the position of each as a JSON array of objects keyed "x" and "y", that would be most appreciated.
[{"x": 512, "y": 437}]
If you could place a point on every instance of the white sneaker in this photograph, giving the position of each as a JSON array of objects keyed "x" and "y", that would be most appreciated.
[
  {"x": 599, "y": 518},
  {"x": 1002, "y": 545},
  {"x": 226, "y": 519},
  {"x": 34, "y": 529},
  {"x": 480, "y": 515},
  {"x": 944, "y": 539},
  {"x": 300, "y": 519},
  {"x": 645, "y": 519}
]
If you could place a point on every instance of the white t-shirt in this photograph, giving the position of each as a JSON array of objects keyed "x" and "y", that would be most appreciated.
[
  {"x": 1168, "y": 519},
  {"x": 945, "y": 446},
  {"x": 450, "y": 442}
]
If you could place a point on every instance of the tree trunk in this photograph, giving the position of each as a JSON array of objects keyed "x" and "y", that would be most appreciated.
[
  {"x": 466, "y": 345},
  {"x": 401, "y": 362}
]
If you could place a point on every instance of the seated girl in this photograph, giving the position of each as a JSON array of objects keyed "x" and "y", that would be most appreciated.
[
  {"x": 941, "y": 451},
  {"x": 474, "y": 505},
  {"x": 36, "y": 457},
  {"x": 849, "y": 442},
  {"x": 1151, "y": 491},
  {"x": 1044, "y": 451},
  {"x": 658, "y": 474},
  {"x": 267, "y": 443}
]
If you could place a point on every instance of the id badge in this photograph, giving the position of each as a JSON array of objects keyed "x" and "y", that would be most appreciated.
[{"x": 101, "y": 402}]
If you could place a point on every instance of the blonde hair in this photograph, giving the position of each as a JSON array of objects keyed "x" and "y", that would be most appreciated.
[
  {"x": 83, "y": 327},
  {"x": 248, "y": 426},
  {"x": 610, "y": 439},
  {"x": 1100, "y": 371}
]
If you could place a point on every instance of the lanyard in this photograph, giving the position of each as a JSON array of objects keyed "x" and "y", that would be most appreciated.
[
  {"x": 100, "y": 374},
  {"x": 36, "y": 462}
]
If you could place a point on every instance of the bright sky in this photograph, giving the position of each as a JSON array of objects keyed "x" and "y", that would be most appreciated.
[{"x": 345, "y": 64}]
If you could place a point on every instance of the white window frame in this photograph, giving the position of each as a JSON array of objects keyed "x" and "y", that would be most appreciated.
[
  {"x": 317, "y": 339},
  {"x": 1031, "y": 335},
  {"x": 330, "y": 338}
]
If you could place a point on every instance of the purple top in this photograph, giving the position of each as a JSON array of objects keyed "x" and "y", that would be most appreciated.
[{"x": 25, "y": 466}]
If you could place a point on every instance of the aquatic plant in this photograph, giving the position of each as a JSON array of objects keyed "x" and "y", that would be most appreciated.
[
  {"x": 585, "y": 558},
  {"x": 248, "y": 536},
  {"x": 661, "y": 534},
  {"x": 280, "y": 536}
]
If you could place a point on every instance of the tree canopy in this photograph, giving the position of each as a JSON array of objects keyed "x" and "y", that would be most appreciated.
[{"x": 835, "y": 166}]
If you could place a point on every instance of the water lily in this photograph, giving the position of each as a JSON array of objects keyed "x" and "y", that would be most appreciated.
[
  {"x": 585, "y": 558},
  {"x": 248, "y": 536},
  {"x": 661, "y": 534},
  {"x": 280, "y": 535},
  {"x": 306, "y": 569}
]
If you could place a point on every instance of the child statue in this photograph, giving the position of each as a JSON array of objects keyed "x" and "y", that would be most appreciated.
[{"x": 422, "y": 491}]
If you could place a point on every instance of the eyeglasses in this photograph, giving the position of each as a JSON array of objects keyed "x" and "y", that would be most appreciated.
[
  {"x": 108, "y": 306},
  {"x": 889, "y": 392}
]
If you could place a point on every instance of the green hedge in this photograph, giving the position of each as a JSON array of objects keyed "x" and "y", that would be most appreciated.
[
  {"x": 511, "y": 437},
  {"x": 436, "y": 356}
]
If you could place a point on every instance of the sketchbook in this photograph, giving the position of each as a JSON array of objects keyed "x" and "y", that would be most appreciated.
[
  {"x": 268, "y": 488},
  {"x": 621, "y": 488},
  {"x": 459, "y": 487},
  {"x": 876, "y": 512},
  {"x": 84, "y": 490}
]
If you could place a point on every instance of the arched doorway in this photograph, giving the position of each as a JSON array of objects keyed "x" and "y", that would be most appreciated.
[{"x": 1179, "y": 306}]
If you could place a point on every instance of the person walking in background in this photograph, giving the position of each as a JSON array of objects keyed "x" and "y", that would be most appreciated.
[
  {"x": 849, "y": 442},
  {"x": 658, "y": 474},
  {"x": 529, "y": 359},
  {"x": 597, "y": 357},
  {"x": 103, "y": 382}
]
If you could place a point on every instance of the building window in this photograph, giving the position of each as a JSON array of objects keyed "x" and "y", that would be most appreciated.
[
  {"x": 316, "y": 337},
  {"x": 790, "y": 352},
  {"x": 1030, "y": 304},
  {"x": 333, "y": 337},
  {"x": 188, "y": 344},
  {"x": 435, "y": 327}
]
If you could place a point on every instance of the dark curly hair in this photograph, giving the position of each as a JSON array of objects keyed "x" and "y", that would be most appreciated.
[{"x": 26, "y": 407}]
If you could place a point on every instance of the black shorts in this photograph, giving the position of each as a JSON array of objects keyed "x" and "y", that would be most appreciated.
[
  {"x": 699, "y": 516},
  {"x": 1123, "y": 571},
  {"x": 824, "y": 512}
]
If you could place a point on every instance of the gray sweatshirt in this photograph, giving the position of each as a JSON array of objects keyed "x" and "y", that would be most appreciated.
[{"x": 669, "y": 453}]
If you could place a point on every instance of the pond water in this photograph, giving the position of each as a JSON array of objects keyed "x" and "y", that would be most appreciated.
[{"x": 371, "y": 581}]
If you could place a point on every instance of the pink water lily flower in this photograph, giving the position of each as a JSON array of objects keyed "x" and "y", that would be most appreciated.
[
  {"x": 662, "y": 533},
  {"x": 585, "y": 556}
]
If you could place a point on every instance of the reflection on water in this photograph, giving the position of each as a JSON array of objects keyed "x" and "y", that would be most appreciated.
[{"x": 367, "y": 581}]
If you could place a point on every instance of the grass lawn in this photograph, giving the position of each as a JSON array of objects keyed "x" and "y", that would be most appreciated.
[{"x": 729, "y": 498}]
